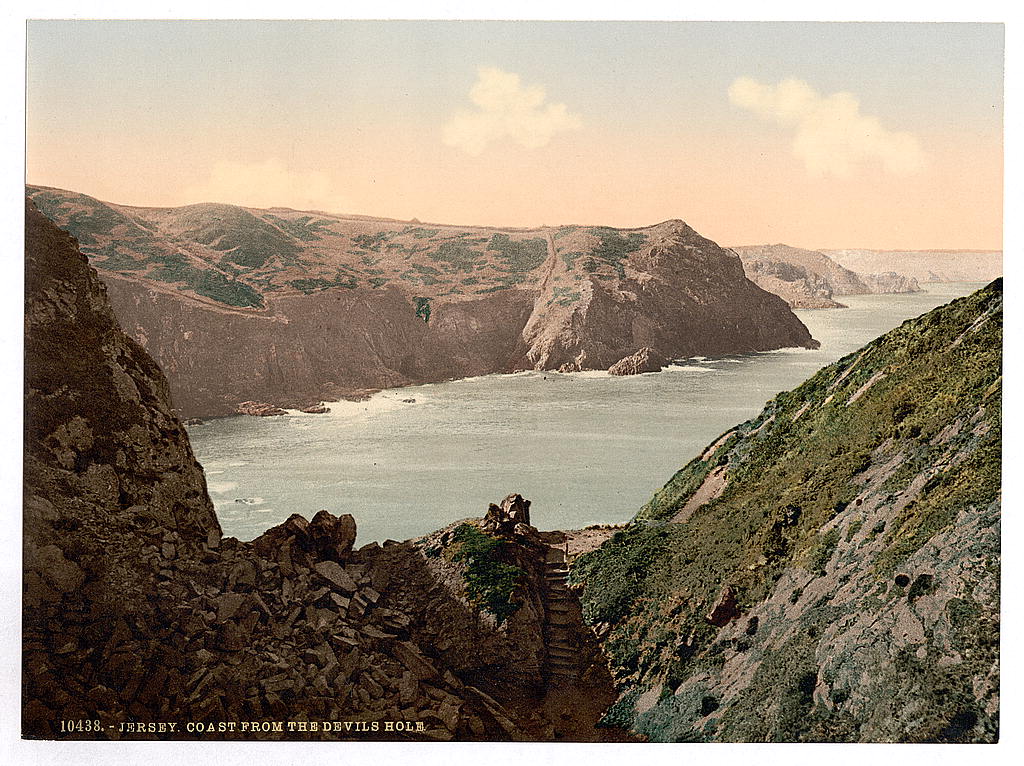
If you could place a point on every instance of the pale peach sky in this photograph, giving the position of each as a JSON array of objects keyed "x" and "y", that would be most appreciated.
[{"x": 818, "y": 135}]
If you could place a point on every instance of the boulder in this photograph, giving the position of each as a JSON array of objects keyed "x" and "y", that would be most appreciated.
[
  {"x": 336, "y": 576},
  {"x": 503, "y": 519},
  {"x": 644, "y": 360},
  {"x": 332, "y": 535}
]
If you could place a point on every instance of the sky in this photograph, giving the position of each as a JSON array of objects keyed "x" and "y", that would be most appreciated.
[{"x": 820, "y": 135}]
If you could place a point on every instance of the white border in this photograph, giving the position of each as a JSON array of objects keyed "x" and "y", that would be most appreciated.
[{"x": 12, "y": 166}]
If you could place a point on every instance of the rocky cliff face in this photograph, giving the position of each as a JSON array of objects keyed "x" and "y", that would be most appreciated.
[
  {"x": 925, "y": 265},
  {"x": 890, "y": 282},
  {"x": 290, "y": 308},
  {"x": 104, "y": 456},
  {"x": 828, "y": 571},
  {"x": 810, "y": 279},
  {"x": 137, "y": 611}
]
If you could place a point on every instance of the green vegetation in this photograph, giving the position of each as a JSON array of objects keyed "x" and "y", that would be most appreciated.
[
  {"x": 519, "y": 255},
  {"x": 419, "y": 233},
  {"x": 569, "y": 258},
  {"x": 175, "y": 268},
  {"x": 115, "y": 260},
  {"x": 372, "y": 241},
  {"x": 245, "y": 240},
  {"x": 456, "y": 256},
  {"x": 564, "y": 296},
  {"x": 422, "y": 309},
  {"x": 934, "y": 393},
  {"x": 304, "y": 228},
  {"x": 314, "y": 284},
  {"x": 490, "y": 583},
  {"x": 612, "y": 250}
]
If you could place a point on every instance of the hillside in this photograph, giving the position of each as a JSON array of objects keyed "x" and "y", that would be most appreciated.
[
  {"x": 137, "y": 611},
  {"x": 811, "y": 279},
  {"x": 828, "y": 571},
  {"x": 293, "y": 308},
  {"x": 926, "y": 265}
]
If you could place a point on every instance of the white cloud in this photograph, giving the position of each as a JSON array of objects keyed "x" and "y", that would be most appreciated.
[
  {"x": 267, "y": 184},
  {"x": 505, "y": 108},
  {"x": 831, "y": 135}
]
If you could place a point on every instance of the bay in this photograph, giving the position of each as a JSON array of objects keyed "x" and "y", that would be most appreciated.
[{"x": 585, "y": 448}]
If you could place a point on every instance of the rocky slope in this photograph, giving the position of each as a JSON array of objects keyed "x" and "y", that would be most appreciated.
[
  {"x": 290, "y": 308},
  {"x": 811, "y": 279},
  {"x": 925, "y": 265},
  {"x": 828, "y": 571},
  {"x": 136, "y": 611}
]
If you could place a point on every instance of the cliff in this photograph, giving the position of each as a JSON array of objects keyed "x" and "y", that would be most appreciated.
[
  {"x": 291, "y": 308},
  {"x": 137, "y": 611},
  {"x": 925, "y": 265},
  {"x": 828, "y": 571},
  {"x": 811, "y": 279}
]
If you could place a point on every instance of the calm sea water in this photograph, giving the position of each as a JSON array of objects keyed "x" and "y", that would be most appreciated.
[{"x": 586, "y": 448}]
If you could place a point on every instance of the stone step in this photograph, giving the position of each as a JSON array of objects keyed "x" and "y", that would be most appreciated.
[
  {"x": 554, "y": 556},
  {"x": 561, "y": 654}
]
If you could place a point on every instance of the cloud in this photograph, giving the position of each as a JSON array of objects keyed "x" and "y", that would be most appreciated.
[
  {"x": 832, "y": 137},
  {"x": 507, "y": 109},
  {"x": 267, "y": 184}
]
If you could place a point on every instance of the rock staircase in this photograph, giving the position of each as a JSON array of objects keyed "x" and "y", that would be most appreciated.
[{"x": 562, "y": 651}]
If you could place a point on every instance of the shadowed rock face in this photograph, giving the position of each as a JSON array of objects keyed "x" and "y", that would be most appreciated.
[
  {"x": 104, "y": 455},
  {"x": 288, "y": 308},
  {"x": 828, "y": 570},
  {"x": 136, "y": 610}
]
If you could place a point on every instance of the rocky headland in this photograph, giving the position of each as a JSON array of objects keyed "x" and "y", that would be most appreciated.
[
  {"x": 290, "y": 309},
  {"x": 810, "y": 279}
]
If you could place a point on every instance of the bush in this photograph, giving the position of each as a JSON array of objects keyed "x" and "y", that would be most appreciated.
[{"x": 490, "y": 583}]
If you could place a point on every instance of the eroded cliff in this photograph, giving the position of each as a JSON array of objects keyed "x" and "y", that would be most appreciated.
[{"x": 292, "y": 308}]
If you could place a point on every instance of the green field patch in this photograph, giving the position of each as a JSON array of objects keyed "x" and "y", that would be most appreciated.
[
  {"x": 315, "y": 284},
  {"x": 457, "y": 256},
  {"x": 613, "y": 249},
  {"x": 519, "y": 255}
]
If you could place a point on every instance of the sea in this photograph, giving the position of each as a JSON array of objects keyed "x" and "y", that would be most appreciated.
[{"x": 585, "y": 448}]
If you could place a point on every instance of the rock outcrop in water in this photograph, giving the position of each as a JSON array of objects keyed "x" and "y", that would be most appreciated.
[
  {"x": 644, "y": 360},
  {"x": 293, "y": 308},
  {"x": 828, "y": 571},
  {"x": 140, "y": 616}
]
